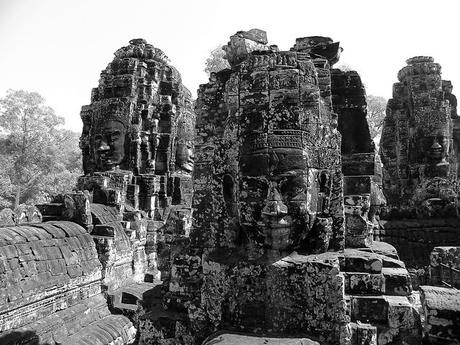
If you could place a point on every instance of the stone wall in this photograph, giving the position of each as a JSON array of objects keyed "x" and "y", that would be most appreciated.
[
  {"x": 293, "y": 295},
  {"x": 445, "y": 266},
  {"x": 416, "y": 238},
  {"x": 361, "y": 181}
]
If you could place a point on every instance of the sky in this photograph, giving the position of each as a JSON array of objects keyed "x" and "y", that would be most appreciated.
[{"x": 59, "y": 47}]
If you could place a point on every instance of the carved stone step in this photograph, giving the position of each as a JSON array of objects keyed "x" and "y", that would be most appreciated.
[
  {"x": 397, "y": 281},
  {"x": 369, "y": 309},
  {"x": 354, "y": 260},
  {"x": 51, "y": 209},
  {"x": 391, "y": 281},
  {"x": 442, "y": 314},
  {"x": 380, "y": 309},
  {"x": 359, "y": 283},
  {"x": 394, "y": 316},
  {"x": 382, "y": 248},
  {"x": 128, "y": 296},
  {"x": 362, "y": 334}
]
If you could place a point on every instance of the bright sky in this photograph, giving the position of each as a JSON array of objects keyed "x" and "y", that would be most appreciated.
[{"x": 59, "y": 47}]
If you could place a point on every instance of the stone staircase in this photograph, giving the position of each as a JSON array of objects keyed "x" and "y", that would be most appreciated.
[{"x": 378, "y": 294}]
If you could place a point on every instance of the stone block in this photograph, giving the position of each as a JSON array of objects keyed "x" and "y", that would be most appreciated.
[
  {"x": 359, "y": 231},
  {"x": 358, "y": 164},
  {"x": 401, "y": 314},
  {"x": 369, "y": 309},
  {"x": 242, "y": 339},
  {"x": 397, "y": 281},
  {"x": 441, "y": 308},
  {"x": 362, "y": 334},
  {"x": 355, "y": 185},
  {"x": 74, "y": 271},
  {"x": 364, "y": 283},
  {"x": 357, "y": 261},
  {"x": 357, "y": 204}
]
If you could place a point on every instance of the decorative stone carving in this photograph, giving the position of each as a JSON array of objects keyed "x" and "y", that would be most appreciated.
[
  {"x": 419, "y": 150},
  {"x": 420, "y": 166},
  {"x": 272, "y": 116},
  {"x": 137, "y": 145},
  {"x": 448, "y": 95}
]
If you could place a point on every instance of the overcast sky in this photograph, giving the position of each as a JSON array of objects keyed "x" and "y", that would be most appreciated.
[{"x": 58, "y": 47}]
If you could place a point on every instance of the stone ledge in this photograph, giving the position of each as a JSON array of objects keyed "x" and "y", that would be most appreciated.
[{"x": 223, "y": 338}]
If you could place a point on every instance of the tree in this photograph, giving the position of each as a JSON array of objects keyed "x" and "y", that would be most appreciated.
[
  {"x": 216, "y": 62},
  {"x": 376, "y": 109},
  {"x": 37, "y": 156}
]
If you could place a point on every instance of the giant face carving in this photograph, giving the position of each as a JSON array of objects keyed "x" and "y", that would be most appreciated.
[
  {"x": 109, "y": 145},
  {"x": 184, "y": 156},
  {"x": 276, "y": 204},
  {"x": 432, "y": 149}
]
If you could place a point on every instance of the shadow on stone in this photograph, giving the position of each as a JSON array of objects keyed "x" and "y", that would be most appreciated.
[{"x": 22, "y": 338}]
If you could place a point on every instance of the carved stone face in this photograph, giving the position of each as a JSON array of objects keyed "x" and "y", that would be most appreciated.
[
  {"x": 109, "y": 145},
  {"x": 434, "y": 148},
  {"x": 184, "y": 157},
  {"x": 285, "y": 215},
  {"x": 276, "y": 207}
]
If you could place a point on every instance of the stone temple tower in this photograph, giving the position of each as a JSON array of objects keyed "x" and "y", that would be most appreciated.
[
  {"x": 267, "y": 253},
  {"x": 420, "y": 165},
  {"x": 420, "y": 155}
]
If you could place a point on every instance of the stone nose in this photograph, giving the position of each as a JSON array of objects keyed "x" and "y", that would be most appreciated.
[
  {"x": 274, "y": 206},
  {"x": 103, "y": 146},
  {"x": 436, "y": 145}
]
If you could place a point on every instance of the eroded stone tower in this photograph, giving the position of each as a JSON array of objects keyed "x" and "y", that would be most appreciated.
[
  {"x": 419, "y": 150},
  {"x": 420, "y": 166},
  {"x": 267, "y": 253}
]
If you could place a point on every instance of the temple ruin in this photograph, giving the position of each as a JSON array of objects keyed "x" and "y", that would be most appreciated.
[
  {"x": 261, "y": 213},
  {"x": 419, "y": 151}
]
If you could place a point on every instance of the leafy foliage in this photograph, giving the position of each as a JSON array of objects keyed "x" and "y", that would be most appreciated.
[
  {"x": 216, "y": 62},
  {"x": 376, "y": 108},
  {"x": 37, "y": 157}
]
